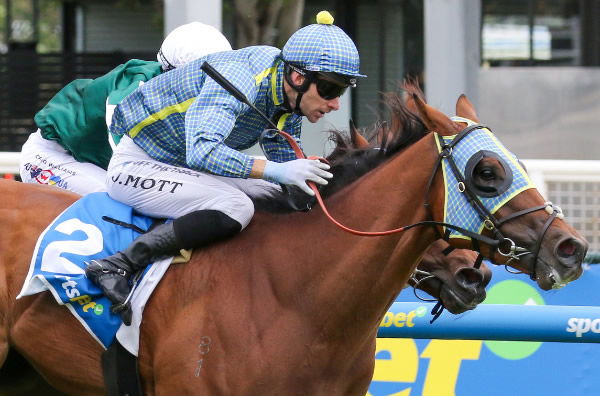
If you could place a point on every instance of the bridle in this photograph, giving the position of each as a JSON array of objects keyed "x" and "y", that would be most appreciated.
[
  {"x": 438, "y": 308},
  {"x": 503, "y": 245}
]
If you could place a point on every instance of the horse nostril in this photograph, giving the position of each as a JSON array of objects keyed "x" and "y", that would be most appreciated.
[
  {"x": 469, "y": 277},
  {"x": 569, "y": 248}
]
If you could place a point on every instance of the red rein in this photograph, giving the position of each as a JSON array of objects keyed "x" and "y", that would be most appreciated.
[{"x": 313, "y": 187}]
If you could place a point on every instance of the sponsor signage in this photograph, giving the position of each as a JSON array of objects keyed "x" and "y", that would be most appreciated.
[{"x": 468, "y": 367}]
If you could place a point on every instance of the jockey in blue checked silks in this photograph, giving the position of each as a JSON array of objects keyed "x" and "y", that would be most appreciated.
[
  {"x": 72, "y": 147},
  {"x": 179, "y": 156}
]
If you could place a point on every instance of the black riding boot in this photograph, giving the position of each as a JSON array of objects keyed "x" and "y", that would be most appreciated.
[
  {"x": 193, "y": 230},
  {"x": 112, "y": 274}
]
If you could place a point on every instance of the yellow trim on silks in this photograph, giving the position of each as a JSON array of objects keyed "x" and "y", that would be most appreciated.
[
  {"x": 281, "y": 121},
  {"x": 274, "y": 86},
  {"x": 261, "y": 76},
  {"x": 161, "y": 115},
  {"x": 273, "y": 72}
]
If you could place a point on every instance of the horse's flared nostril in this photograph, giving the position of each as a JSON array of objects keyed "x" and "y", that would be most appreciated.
[
  {"x": 571, "y": 250},
  {"x": 469, "y": 277}
]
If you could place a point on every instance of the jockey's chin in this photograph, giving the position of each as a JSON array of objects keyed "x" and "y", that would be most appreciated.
[{"x": 315, "y": 116}]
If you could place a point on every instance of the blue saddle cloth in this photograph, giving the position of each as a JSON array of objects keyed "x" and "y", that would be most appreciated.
[{"x": 77, "y": 236}]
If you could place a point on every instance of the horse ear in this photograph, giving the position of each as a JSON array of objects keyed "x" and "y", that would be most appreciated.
[
  {"x": 411, "y": 87},
  {"x": 465, "y": 109},
  {"x": 358, "y": 141},
  {"x": 434, "y": 119}
]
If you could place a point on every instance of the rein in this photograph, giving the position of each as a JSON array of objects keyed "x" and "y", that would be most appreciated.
[
  {"x": 229, "y": 87},
  {"x": 490, "y": 222}
]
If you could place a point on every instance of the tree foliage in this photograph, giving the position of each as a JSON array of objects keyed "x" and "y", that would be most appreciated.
[{"x": 267, "y": 22}]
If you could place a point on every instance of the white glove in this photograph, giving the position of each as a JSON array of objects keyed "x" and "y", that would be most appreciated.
[{"x": 298, "y": 172}]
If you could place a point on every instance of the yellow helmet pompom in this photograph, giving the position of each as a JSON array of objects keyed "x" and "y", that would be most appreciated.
[{"x": 324, "y": 18}]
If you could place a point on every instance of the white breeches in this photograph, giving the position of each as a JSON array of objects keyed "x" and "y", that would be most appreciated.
[
  {"x": 157, "y": 189},
  {"x": 47, "y": 162}
]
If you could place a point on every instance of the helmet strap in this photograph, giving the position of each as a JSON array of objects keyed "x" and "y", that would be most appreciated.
[
  {"x": 301, "y": 89},
  {"x": 167, "y": 65},
  {"x": 297, "y": 110}
]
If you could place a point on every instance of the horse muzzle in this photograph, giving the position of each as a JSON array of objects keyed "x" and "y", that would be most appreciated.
[{"x": 564, "y": 265}]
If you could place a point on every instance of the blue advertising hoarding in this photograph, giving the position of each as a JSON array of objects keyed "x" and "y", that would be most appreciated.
[{"x": 447, "y": 367}]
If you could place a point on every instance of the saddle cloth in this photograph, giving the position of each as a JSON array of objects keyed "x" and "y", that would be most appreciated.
[{"x": 75, "y": 237}]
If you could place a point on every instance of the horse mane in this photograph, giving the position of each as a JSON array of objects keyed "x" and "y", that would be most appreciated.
[{"x": 349, "y": 161}]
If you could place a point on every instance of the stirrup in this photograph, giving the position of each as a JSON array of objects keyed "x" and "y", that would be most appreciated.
[
  {"x": 123, "y": 309},
  {"x": 114, "y": 283},
  {"x": 92, "y": 273}
]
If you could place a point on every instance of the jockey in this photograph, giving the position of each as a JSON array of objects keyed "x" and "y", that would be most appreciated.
[
  {"x": 72, "y": 147},
  {"x": 179, "y": 156}
]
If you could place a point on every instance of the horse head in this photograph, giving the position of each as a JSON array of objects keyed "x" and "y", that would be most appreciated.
[{"x": 450, "y": 275}]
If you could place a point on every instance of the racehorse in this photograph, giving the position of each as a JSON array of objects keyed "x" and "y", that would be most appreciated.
[
  {"x": 447, "y": 276},
  {"x": 293, "y": 304}
]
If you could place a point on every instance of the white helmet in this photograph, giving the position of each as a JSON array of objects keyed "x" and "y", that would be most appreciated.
[{"x": 189, "y": 42}]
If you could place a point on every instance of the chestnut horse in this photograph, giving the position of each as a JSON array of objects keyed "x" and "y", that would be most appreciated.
[
  {"x": 293, "y": 304},
  {"x": 447, "y": 277}
]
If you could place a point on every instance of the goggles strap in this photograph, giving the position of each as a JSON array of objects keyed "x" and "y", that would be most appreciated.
[{"x": 168, "y": 64}]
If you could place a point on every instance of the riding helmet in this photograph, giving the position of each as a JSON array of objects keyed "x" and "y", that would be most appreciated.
[{"x": 323, "y": 47}]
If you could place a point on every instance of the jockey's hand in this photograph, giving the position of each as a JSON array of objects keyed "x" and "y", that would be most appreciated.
[{"x": 298, "y": 172}]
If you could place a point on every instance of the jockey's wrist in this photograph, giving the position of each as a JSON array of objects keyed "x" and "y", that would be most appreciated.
[
  {"x": 258, "y": 168},
  {"x": 274, "y": 171}
]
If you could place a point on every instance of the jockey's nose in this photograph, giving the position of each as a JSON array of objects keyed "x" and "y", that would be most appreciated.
[{"x": 334, "y": 104}]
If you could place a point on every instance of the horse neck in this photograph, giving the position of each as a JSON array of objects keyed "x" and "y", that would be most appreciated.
[{"x": 329, "y": 270}]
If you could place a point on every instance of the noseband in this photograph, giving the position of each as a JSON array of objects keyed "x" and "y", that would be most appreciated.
[{"x": 504, "y": 246}]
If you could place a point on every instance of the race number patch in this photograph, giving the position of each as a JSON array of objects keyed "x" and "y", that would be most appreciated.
[{"x": 77, "y": 236}]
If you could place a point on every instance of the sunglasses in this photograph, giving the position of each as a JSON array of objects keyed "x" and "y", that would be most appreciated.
[{"x": 328, "y": 89}]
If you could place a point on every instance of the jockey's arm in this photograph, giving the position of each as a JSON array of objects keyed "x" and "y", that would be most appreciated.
[{"x": 208, "y": 123}]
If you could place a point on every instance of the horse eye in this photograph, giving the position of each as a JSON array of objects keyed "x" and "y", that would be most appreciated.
[{"x": 487, "y": 174}]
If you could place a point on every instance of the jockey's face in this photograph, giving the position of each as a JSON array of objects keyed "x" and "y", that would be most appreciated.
[{"x": 314, "y": 107}]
